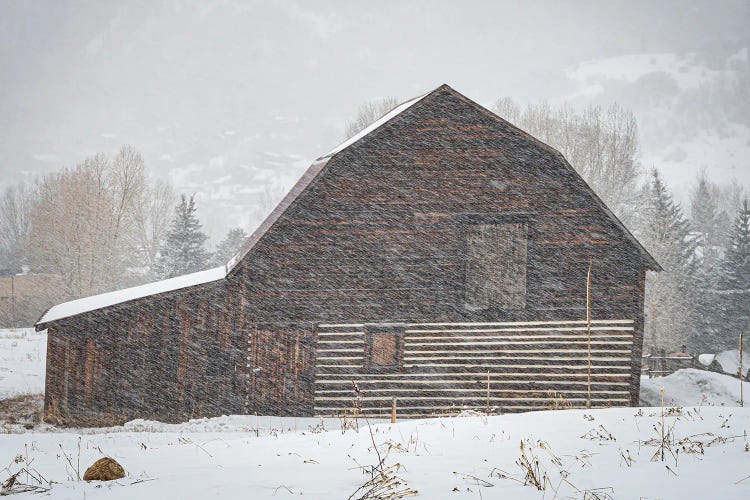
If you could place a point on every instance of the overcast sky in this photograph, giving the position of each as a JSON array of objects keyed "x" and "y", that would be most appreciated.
[{"x": 208, "y": 90}]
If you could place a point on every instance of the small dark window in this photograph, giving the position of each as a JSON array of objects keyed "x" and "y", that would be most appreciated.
[
  {"x": 496, "y": 255},
  {"x": 384, "y": 347}
]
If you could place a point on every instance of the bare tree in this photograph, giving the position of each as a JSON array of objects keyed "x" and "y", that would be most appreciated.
[
  {"x": 369, "y": 113},
  {"x": 508, "y": 109},
  {"x": 600, "y": 143},
  {"x": 84, "y": 221},
  {"x": 268, "y": 198},
  {"x": 152, "y": 215},
  {"x": 16, "y": 204}
]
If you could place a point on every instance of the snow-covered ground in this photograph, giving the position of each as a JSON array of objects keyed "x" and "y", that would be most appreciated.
[
  {"x": 22, "y": 361},
  {"x": 730, "y": 362},
  {"x": 691, "y": 387},
  {"x": 607, "y": 452},
  {"x": 604, "y": 452}
]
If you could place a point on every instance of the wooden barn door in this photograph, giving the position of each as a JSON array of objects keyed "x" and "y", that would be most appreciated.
[{"x": 280, "y": 370}]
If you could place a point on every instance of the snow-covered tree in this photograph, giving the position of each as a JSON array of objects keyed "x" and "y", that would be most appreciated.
[
  {"x": 736, "y": 264},
  {"x": 16, "y": 205},
  {"x": 229, "y": 246},
  {"x": 83, "y": 222},
  {"x": 732, "y": 298},
  {"x": 669, "y": 313},
  {"x": 184, "y": 248},
  {"x": 705, "y": 221}
]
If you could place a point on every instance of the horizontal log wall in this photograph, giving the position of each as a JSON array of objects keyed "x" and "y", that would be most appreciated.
[{"x": 445, "y": 367}]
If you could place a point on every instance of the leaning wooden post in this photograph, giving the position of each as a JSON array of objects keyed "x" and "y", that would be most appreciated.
[
  {"x": 588, "y": 334},
  {"x": 393, "y": 411},
  {"x": 740, "y": 374}
]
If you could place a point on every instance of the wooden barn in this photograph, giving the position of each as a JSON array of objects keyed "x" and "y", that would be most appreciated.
[{"x": 439, "y": 257}]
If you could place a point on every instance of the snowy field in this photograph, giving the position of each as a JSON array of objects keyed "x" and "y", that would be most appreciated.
[
  {"x": 570, "y": 454},
  {"x": 22, "y": 359}
]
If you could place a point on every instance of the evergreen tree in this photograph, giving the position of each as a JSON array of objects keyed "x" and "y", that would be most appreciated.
[
  {"x": 229, "y": 246},
  {"x": 706, "y": 222},
  {"x": 183, "y": 251},
  {"x": 736, "y": 264},
  {"x": 664, "y": 231},
  {"x": 733, "y": 294},
  {"x": 705, "y": 219}
]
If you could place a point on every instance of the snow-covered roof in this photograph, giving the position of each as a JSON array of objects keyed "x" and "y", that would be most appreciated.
[
  {"x": 86, "y": 304},
  {"x": 381, "y": 121}
]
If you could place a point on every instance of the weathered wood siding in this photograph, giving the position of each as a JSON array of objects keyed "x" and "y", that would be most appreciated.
[
  {"x": 169, "y": 357},
  {"x": 381, "y": 232},
  {"x": 445, "y": 367},
  {"x": 280, "y": 364}
]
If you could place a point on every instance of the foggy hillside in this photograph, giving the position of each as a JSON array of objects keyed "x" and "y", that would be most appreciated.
[{"x": 233, "y": 100}]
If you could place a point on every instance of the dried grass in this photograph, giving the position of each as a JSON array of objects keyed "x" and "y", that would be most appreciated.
[{"x": 558, "y": 402}]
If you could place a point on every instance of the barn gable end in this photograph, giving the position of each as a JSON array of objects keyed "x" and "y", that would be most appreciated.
[{"x": 379, "y": 236}]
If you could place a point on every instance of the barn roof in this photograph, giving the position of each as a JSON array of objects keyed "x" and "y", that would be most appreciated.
[
  {"x": 318, "y": 166},
  {"x": 376, "y": 124},
  {"x": 311, "y": 174},
  {"x": 87, "y": 304}
]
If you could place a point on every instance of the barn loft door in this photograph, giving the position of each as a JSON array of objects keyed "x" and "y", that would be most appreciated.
[{"x": 496, "y": 257}]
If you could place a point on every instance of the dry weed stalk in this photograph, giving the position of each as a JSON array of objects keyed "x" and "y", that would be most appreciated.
[
  {"x": 77, "y": 468},
  {"x": 626, "y": 458},
  {"x": 663, "y": 443},
  {"x": 34, "y": 482},
  {"x": 599, "y": 434},
  {"x": 534, "y": 474},
  {"x": 383, "y": 484},
  {"x": 473, "y": 480},
  {"x": 598, "y": 494},
  {"x": 317, "y": 428},
  {"x": 349, "y": 418}
]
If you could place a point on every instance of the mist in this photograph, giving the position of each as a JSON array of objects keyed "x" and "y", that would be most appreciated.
[{"x": 227, "y": 99}]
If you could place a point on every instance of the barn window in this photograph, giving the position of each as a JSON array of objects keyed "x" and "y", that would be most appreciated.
[
  {"x": 496, "y": 265},
  {"x": 384, "y": 347}
]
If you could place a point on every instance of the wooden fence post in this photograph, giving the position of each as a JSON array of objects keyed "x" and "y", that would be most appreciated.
[{"x": 393, "y": 411}]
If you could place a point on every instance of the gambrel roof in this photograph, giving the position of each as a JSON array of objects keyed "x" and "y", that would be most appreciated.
[
  {"x": 370, "y": 133},
  {"x": 399, "y": 113}
]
